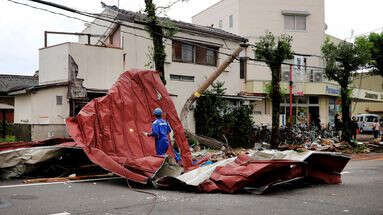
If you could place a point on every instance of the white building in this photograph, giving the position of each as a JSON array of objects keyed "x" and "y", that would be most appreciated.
[
  {"x": 304, "y": 20},
  {"x": 71, "y": 74}
]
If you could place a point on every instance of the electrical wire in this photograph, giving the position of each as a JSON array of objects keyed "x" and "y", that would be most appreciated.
[{"x": 108, "y": 19}]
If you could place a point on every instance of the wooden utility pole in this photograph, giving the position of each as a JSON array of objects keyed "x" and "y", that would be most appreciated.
[{"x": 207, "y": 83}]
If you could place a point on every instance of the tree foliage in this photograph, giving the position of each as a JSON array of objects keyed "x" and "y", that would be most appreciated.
[
  {"x": 376, "y": 51},
  {"x": 341, "y": 61},
  {"x": 159, "y": 29},
  {"x": 274, "y": 51},
  {"x": 156, "y": 33},
  {"x": 217, "y": 118}
]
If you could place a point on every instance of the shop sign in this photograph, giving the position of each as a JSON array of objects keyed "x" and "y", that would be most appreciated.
[
  {"x": 332, "y": 90},
  {"x": 371, "y": 96}
]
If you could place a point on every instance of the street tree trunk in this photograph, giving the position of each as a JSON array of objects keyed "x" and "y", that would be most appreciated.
[
  {"x": 346, "y": 102},
  {"x": 156, "y": 33},
  {"x": 276, "y": 102}
]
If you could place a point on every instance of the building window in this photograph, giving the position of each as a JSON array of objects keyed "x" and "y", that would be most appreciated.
[
  {"x": 183, "y": 52},
  {"x": 182, "y": 78},
  {"x": 231, "y": 21},
  {"x": 220, "y": 24},
  {"x": 187, "y": 53},
  {"x": 295, "y": 22},
  {"x": 194, "y": 53},
  {"x": 59, "y": 100}
]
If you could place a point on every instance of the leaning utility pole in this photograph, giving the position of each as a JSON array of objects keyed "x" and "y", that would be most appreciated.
[{"x": 206, "y": 84}]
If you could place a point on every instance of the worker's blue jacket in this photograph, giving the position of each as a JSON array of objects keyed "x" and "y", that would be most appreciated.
[{"x": 160, "y": 131}]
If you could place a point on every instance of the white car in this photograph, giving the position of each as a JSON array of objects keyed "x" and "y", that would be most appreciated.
[{"x": 366, "y": 122}]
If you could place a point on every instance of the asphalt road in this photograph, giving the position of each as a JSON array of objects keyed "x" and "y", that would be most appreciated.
[{"x": 360, "y": 193}]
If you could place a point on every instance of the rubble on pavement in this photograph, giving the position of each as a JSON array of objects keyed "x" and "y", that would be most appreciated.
[{"x": 107, "y": 133}]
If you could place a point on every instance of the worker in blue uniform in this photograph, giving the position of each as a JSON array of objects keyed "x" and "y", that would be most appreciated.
[{"x": 160, "y": 131}]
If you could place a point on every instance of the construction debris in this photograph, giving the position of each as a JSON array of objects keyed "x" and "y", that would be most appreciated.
[
  {"x": 108, "y": 131},
  {"x": 260, "y": 170},
  {"x": 72, "y": 177}
]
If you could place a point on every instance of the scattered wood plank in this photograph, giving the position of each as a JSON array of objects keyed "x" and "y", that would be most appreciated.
[{"x": 63, "y": 179}]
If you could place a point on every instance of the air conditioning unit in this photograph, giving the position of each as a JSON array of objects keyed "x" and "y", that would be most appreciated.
[
  {"x": 285, "y": 76},
  {"x": 318, "y": 76}
]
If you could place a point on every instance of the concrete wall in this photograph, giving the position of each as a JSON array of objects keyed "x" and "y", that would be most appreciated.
[
  {"x": 43, "y": 132},
  {"x": 40, "y": 107},
  {"x": 99, "y": 66},
  {"x": 368, "y": 82},
  {"x": 258, "y": 16},
  {"x": 222, "y": 11},
  {"x": 23, "y": 109},
  {"x": 53, "y": 64},
  {"x": 39, "y": 111},
  {"x": 372, "y": 83}
]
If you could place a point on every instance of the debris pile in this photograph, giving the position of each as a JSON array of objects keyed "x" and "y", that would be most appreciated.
[
  {"x": 108, "y": 131},
  {"x": 259, "y": 171}
]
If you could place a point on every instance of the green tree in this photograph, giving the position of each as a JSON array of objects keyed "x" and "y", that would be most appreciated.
[
  {"x": 274, "y": 51},
  {"x": 341, "y": 61},
  {"x": 159, "y": 28},
  {"x": 376, "y": 50},
  {"x": 156, "y": 33},
  {"x": 210, "y": 111},
  {"x": 238, "y": 127},
  {"x": 219, "y": 119}
]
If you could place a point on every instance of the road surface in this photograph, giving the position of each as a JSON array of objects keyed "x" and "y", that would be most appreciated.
[{"x": 360, "y": 193}]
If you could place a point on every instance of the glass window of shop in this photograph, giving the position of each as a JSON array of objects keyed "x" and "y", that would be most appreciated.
[{"x": 304, "y": 108}]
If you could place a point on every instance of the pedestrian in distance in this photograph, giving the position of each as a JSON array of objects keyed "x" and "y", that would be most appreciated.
[
  {"x": 376, "y": 129},
  {"x": 160, "y": 132},
  {"x": 354, "y": 128},
  {"x": 338, "y": 126}
]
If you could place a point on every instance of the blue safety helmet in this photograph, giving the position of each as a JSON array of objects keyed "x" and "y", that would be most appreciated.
[{"x": 157, "y": 112}]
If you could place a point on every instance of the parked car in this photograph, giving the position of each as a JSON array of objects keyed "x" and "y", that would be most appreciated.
[{"x": 366, "y": 121}]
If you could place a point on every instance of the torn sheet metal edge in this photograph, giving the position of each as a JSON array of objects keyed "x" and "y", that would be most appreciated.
[
  {"x": 199, "y": 175},
  {"x": 261, "y": 190},
  {"x": 33, "y": 155},
  {"x": 289, "y": 155},
  {"x": 167, "y": 169}
]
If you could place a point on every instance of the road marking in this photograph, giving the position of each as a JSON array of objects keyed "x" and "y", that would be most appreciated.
[
  {"x": 60, "y": 182},
  {"x": 63, "y": 213},
  {"x": 345, "y": 172}
]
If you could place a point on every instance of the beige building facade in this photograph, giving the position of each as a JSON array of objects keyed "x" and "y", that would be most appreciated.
[
  {"x": 194, "y": 53},
  {"x": 369, "y": 88},
  {"x": 304, "y": 20}
]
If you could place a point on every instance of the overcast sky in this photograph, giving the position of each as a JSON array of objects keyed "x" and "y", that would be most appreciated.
[{"x": 22, "y": 27}]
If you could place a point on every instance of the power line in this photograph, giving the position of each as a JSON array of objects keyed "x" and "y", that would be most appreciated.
[
  {"x": 97, "y": 16},
  {"x": 49, "y": 11}
]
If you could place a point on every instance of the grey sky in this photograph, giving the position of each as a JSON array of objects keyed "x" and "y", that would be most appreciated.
[{"x": 22, "y": 27}]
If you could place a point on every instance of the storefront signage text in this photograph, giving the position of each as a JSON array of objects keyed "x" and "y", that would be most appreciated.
[
  {"x": 371, "y": 96},
  {"x": 331, "y": 90}
]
